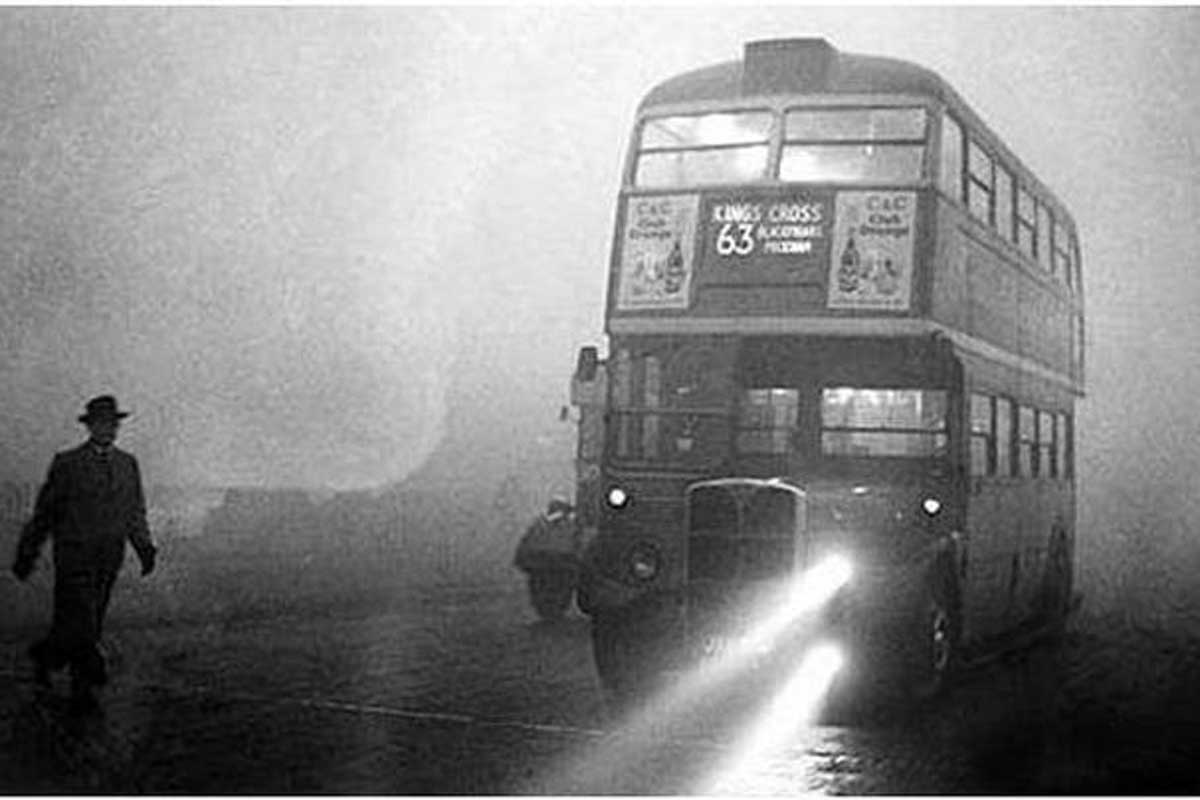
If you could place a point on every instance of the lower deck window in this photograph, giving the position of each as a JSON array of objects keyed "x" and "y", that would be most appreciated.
[
  {"x": 652, "y": 435},
  {"x": 767, "y": 420},
  {"x": 1063, "y": 446},
  {"x": 883, "y": 422},
  {"x": 983, "y": 436},
  {"x": 1027, "y": 444},
  {"x": 1047, "y": 463}
]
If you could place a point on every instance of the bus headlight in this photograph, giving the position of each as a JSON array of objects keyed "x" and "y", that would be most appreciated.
[
  {"x": 644, "y": 562},
  {"x": 617, "y": 497}
]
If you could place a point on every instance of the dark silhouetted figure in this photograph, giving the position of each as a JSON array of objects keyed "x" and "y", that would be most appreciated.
[
  {"x": 91, "y": 502},
  {"x": 548, "y": 554}
]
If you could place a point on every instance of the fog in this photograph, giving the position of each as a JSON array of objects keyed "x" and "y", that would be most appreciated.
[{"x": 340, "y": 248}]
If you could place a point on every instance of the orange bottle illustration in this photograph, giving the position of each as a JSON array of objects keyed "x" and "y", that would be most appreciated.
[
  {"x": 848, "y": 271},
  {"x": 887, "y": 277},
  {"x": 675, "y": 273}
]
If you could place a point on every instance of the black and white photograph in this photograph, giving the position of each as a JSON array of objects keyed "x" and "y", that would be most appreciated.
[{"x": 588, "y": 400}]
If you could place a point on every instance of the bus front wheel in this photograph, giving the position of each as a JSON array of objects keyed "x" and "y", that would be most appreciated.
[{"x": 620, "y": 658}]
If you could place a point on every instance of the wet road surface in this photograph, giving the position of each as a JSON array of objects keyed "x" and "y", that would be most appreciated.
[{"x": 457, "y": 690}]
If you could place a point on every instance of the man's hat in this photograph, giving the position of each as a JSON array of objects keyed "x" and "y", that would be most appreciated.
[{"x": 102, "y": 407}]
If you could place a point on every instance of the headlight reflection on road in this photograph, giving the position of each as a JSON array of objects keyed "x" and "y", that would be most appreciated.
[
  {"x": 795, "y": 706},
  {"x": 647, "y": 727}
]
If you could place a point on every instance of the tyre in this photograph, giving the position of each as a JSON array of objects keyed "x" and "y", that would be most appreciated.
[
  {"x": 931, "y": 646},
  {"x": 550, "y": 592},
  {"x": 619, "y": 658}
]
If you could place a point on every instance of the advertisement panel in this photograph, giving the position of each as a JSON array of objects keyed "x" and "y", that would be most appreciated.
[
  {"x": 846, "y": 250},
  {"x": 872, "y": 260},
  {"x": 657, "y": 252}
]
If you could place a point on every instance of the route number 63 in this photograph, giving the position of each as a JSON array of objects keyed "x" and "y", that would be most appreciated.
[{"x": 735, "y": 239}]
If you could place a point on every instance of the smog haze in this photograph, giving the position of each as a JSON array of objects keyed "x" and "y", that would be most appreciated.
[{"x": 313, "y": 247}]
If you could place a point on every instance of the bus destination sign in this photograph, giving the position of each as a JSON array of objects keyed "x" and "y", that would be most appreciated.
[{"x": 771, "y": 240}]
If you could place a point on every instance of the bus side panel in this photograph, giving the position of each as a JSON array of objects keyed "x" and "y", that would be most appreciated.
[
  {"x": 1056, "y": 513},
  {"x": 993, "y": 544},
  {"x": 1028, "y": 507},
  {"x": 1011, "y": 519},
  {"x": 947, "y": 269},
  {"x": 985, "y": 289}
]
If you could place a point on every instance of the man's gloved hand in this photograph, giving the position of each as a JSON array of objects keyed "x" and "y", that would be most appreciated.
[
  {"x": 23, "y": 567},
  {"x": 148, "y": 558}
]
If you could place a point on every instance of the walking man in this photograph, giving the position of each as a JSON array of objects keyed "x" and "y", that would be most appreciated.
[{"x": 91, "y": 502}]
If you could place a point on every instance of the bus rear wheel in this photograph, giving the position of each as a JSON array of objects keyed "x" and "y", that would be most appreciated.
[
  {"x": 550, "y": 592},
  {"x": 1057, "y": 586},
  {"x": 932, "y": 644}
]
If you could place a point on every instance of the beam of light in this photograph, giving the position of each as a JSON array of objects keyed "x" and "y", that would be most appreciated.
[
  {"x": 795, "y": 707},
  {"x": 816, "y": 586},
  {"x": 641, "y": 734}
]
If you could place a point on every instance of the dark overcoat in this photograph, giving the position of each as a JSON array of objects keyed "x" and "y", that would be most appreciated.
[
  {"x": 90, "y": 504},
  {"x": 551, "y": 542}
]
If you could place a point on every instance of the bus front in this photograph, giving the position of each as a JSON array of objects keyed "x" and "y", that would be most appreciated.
[{"x": 780, "y": 452}]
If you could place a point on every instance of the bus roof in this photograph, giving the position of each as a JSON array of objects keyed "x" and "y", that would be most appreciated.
[
  {"x": 797, "y": 66},
  {"x": 813, "y": 66}
]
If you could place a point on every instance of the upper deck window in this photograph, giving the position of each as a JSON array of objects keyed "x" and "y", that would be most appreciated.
[
  {"x": 1062, "y": 252},
  {"x": 1074, "y": 277},
  {"x": 703, "y": 148},
  {"x": 1026, "y": 223},
  {"x": 980, "y": 185},
  {"x": 864, "y": 145},
  {"x": 855, "y": 124},
  {"x": 1044, "y": 224},
  {"x": 951, "y": 171},
  {"x": 1004, "y": 201}
]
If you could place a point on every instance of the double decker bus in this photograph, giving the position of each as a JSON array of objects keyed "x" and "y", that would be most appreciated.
[{"x": 844, "y": 325}]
